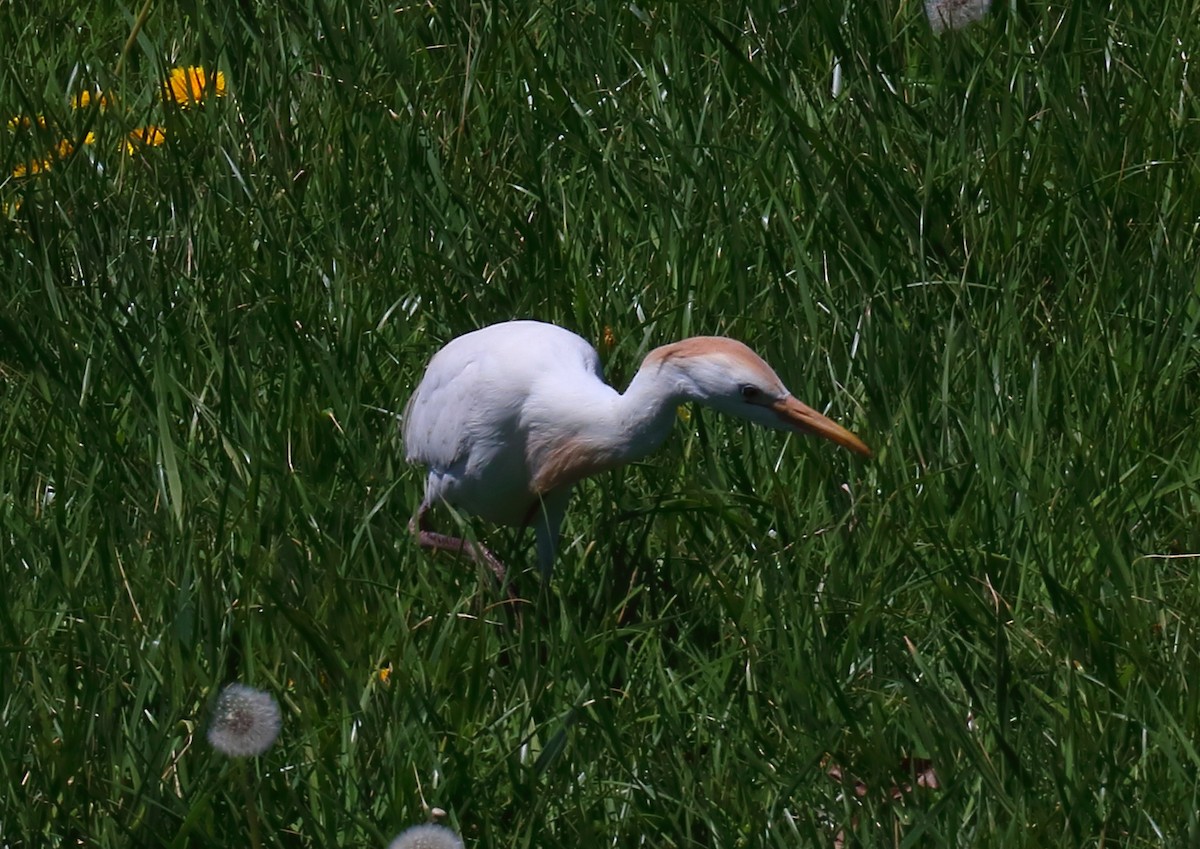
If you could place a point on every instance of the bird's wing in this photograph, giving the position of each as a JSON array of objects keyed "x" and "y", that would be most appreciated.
[
  {"x": 479, "y": 380},
  {"x": 473, "y": 418},
  {"x": 434, "y": 424}
]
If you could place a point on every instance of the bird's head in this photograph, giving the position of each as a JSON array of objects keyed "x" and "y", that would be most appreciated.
[{"x": 726, "y": 375}]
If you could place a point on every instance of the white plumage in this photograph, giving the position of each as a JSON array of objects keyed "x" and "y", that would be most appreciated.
[{"x": 508, "y": 418}]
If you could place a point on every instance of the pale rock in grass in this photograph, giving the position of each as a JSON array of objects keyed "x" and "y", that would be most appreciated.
[
  {"x": 955, "y": 14},
  {"x": 245, "y": 721}
]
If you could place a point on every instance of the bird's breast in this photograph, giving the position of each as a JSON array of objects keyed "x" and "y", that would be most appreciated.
[{"x": 566, "y": 462}]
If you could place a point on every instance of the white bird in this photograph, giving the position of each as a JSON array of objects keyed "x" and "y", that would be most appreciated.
[{"x": 510, "y": 417}]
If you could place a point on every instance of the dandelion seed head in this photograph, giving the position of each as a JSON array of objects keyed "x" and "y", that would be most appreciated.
[
  {"x": 955, "y": 14},
  {"x": 428, "y": 836},
  {"x": 245, "y": 721}
]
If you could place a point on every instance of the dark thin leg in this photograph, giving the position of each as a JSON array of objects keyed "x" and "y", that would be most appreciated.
[{"x": 427, "y": 538}]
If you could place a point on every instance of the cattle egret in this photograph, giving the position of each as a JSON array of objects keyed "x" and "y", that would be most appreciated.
[{"x": 510, "y": 417}]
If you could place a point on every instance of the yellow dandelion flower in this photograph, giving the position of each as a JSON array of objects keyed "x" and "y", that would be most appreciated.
[
  {"x": 60, "y": 151},
  {"x": 24, "y": 122},
  {"x": 66, "y": 147},
  {"x": 84, "y": 99},
  {"x": 148, "y": 136},
  {"x": 192, "y": 84},
  {"x": 33, "y": 166},
  {"x": 385, "y": 673}
]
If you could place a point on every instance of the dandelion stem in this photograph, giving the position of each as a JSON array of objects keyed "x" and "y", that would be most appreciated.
[
  {"x": 251, "y": 807},
  {"x": 140, "y": 21}
]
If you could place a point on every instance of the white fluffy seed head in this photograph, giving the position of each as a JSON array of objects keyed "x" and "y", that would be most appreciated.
[
  {"x": 245, "y": 721},
  {"x": 427, "y": 837},
  {"x": 955, "y": 14}
]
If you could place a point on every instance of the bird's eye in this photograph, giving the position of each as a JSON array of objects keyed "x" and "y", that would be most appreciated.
[{"x": 750, "y": 392}]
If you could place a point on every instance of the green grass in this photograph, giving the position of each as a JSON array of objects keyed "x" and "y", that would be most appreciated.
[{"x": 982, "y": 256}]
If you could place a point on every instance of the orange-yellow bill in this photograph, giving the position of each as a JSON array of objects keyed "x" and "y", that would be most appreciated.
[{"x": 804, "y": 418}]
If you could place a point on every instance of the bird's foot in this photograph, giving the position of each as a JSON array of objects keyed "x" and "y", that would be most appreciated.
[{"x": 456, "y": 545}]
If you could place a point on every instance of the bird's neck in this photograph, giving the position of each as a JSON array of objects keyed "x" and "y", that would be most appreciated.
[
  {"x": 645, "y": 413},
  {"x": 596, "y": 428}
]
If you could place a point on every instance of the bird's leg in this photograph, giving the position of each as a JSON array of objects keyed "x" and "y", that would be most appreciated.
[
  {"x": 426, "y": 538},
  {"x": 546, "y": 516}
]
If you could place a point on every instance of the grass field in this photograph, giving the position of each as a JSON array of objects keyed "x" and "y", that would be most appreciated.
[{"x": 980, "y": 255}]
